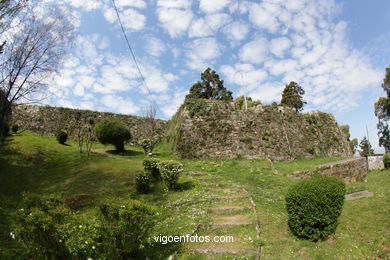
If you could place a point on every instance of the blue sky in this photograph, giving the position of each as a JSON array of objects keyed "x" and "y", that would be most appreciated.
[{"x": 336, "y": 50}]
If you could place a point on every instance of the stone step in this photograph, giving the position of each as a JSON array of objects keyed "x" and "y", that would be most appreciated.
[
  {"x": 196, "y": 173},
  {"x": 229, "y": 197},
  {"x": 230, "y": 224},
  {"x": 227, "y": 190},
  {"x": 358, "y": 195},
  {"x": 230, "y": 208}
]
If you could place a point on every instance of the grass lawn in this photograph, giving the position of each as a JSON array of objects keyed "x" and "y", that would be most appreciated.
[{"x": 38, "y": 164}]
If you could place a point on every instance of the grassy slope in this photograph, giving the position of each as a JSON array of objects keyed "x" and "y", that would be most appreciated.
[{"x": 39, "y": 164}]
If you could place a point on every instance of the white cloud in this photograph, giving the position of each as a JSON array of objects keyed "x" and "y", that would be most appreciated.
[
  {"x": 236, "y": 31},
  {"x": 264, "y": 16},
  {"x": 212, "y": 6},
  {"x": 244, "y": 74},
  {"x": 255, "y": 51},
  {"x": 154, "y": 46},
  {"x": 174, "y": 21},
  {"x": 279, "y": 45},
  {"x": 174, "y": 3},
  {"x": 131, "y": 3},
  {"x": 208, "y": 25},
  {"x": 119, "y": 104},
  {"x": 202, "y": 52},
  {"x": 133, "y": 20}
]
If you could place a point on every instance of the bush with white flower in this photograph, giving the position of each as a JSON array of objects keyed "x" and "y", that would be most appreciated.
[{"x": 170, "y": 173}]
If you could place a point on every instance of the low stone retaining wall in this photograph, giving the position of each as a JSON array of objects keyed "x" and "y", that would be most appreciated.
[
  {"x": 349, "y": 170},
  {"x": 375, "y": 162}
]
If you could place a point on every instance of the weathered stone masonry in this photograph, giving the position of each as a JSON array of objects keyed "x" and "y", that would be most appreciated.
[
  {"x": 47, "y": 120},
  {"x": 271, "y": 132}
]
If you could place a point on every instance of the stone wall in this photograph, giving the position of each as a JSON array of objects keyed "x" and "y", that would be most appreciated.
[
  {"x": 375, "y": 162},
  {"x": 349, "y": 170},
  {"x": 47, "y": 120},
  {"x": 271, "y": 132}
]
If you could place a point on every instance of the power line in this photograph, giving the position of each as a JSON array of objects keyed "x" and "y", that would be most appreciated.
[{"x": 132, "y": 55}]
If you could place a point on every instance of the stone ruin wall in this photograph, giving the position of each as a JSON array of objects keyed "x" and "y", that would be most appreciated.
[
  {"x": 273, "y": 132},
  {"x": 46, "y": 120}
]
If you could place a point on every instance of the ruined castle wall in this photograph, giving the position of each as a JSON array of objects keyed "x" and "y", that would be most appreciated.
[
  {"x": 271, "y": 132},
  {"x": 47, "y": 120}
]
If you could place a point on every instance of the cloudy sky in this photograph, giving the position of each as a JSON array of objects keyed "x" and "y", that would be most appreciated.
[{"x": 336, "y": 50}]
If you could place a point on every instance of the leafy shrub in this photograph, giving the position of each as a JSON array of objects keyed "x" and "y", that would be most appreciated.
[
  {"x": 112, "y": 131},
  {"x": 170, "y": 173},
  {"x": 197, "y": 107},
  {"x": 147, "y": 145},
  {"x": 82, "y": 240},
  {"x": 37, "y": 226},
  {"x": 142, "y": 182},
  {"x": 386, "y": 160},
  {"x": 15, "y": 129},
  {"x": 314, "y": 205},
  {"x": 61, "y": 136},
  {"x": 77, "y": 201},
  {"x": 151, "y": 167},
  {"x": 125, "y": 227}
]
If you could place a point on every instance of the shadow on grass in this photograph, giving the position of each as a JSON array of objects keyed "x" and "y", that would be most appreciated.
[
  {"x": 125, "y": 153},
  {"x": 185, "y": 186}
]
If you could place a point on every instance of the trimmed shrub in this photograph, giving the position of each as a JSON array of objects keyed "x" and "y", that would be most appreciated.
[
  {"x": 386, "y": 160},
  {"x": 142, "y": 182},
  {"x": 112, "y": 131},
  {"x": 125, "y": 227},
  {"x": 170, "y": 173},
  {"x": 15, "y": 129},
  {"x": 147, "y": 145},
  {"x": 61, "y": 136},
  {"x": 151, "y": 167},
  {"x": 314, "y": 205}
]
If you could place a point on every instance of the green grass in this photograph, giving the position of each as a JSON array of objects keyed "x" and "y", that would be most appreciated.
[
  {"x": 287, "y": 168},
  {"x": 33, "y": 163}
]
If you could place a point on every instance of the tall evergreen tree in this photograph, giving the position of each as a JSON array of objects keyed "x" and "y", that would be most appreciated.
[
  {"x": 382, "y": 111},
  {"x": 292, "y": 96},
  {"x": 365, "y": 147},
  {"x": 210, "y": 87}
]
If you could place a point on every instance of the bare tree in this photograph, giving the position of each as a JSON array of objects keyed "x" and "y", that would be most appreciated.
[
  {"x": 33, "y": 52},
  {"x": 149, "y": 128}
]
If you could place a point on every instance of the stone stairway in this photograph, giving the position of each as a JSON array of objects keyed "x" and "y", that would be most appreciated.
[{"x": 233, "y": 214}]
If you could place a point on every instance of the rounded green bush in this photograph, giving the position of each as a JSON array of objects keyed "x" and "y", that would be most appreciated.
[
  {"x": 151, "y": 168},
  {"x": 170, "y": 173},
  {"x": 142, "y": 182},
  {"x": 61, "y": 136},
  {"x": 112, "y": 131},
  {"x": 314, "y": 205},
  {"x": 386, "y": 160}
]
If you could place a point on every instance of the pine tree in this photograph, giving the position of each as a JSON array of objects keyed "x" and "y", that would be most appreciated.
[
  {"x": 365, "y": 148},
  {"x": 210, "y": 87},
  {"x": 292, "y": 96}
]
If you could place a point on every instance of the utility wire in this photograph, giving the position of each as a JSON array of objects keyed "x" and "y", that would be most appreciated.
[{"x": 132, "y": 55}]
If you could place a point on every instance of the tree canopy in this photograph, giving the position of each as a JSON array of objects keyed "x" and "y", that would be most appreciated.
[
  {"x": 210, "y": 87},
  {"x": 365, "y": 147},
  {"x": 353, "y": 143},
  {"x": 292, "y": 96},
  {"x": 382, "y": 111}
]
